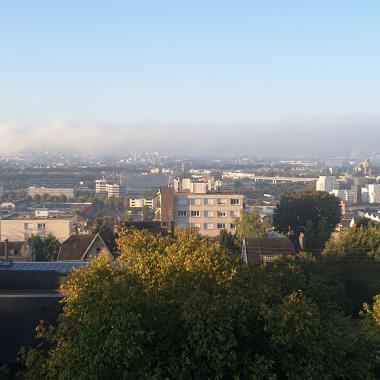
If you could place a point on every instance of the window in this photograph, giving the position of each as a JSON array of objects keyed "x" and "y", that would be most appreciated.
[
  {"x": 222, "y": 201},
  {"x": 195, "y": 213},
  {"x": 181, "y": 201},
  {"x": 195, "y": 201},
  {"x": 233, "y": 226},
  {"x": 208, "y": 214},
  {"x": 41, "y": 226},
  {"x": 221, "y": 226},
  {"x": 97, "y": 250},
  {"x": 209, "y": 226},
  {"x": 28, "y": 225},
  {"x": 222, "y": 214},
  {"x": 209, "y": 201},
  {"x": 235, "y": 201},
  {"x": 182, "y": 213},
  {"x": 235, "y": 214},
  {"x": 196, "y": 225}
]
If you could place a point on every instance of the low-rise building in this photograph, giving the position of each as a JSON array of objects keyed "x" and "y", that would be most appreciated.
[
  {"x": 86, "y": 247},
  {"x": 52, "y": 191},
  {"x": 19, "y": 226}
]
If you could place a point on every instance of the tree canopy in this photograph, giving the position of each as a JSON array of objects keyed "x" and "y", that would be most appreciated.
[
  {"x": 357, "y": 241},
  {"x": 185, "y": 309},
  {"x": 297, "y": 208},
  {"x": 45, "y": 248},
  {"x": 250, "y": 224}
]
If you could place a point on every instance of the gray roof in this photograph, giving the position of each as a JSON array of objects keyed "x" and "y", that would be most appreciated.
[{"x": 64, "y": 266}]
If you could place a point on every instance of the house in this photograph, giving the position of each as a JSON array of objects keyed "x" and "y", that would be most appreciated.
[
  {"x": 15, "y": 251},
  {"x": 265, "y": 249},
  {"x": 85, "y": 247}
]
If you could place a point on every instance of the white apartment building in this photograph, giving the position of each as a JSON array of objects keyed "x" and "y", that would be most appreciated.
[
  {"x": 345, "y": 195},
  {"x": 101, "y": 186},
  {"x": 109, "y": 189},
  {"x": 199, "y": 205},
  {"x": 373, "y": 193},
  {"x": 327, "y": 183},
  {"x": 21, "y": 225},
  {"x": 141, "y": 202}
]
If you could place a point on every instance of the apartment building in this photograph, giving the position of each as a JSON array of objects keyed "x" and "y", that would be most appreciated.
[
  {"x": 345, "y": 195},
  {"x": 199, "y": 205},
  {"x": 327, "y": 183},
  {"x": 102, "y": 187},
  {"x": 141, "y": 202},
  {"x": 21, "y": 225},
  {"x": 373, "y": 193},
  {"x": 52, "y": 191}
]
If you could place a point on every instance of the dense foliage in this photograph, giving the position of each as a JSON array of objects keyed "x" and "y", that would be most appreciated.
[
  {"x": 356, "y": 242},
  {"x": 185, "y": 309},
  {"x": 250, "y": 224},
  {"x": 296, "y": 209},
  {"x": 44, "y": 248}
]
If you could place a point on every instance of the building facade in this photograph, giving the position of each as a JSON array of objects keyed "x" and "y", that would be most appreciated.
[
  {"x": 52, "y": 191},
  {"x": 327, "y": 183},
  {"x": 141, "y": 202},
  {"x": 102, "y": 187},
  {"x": 203, "y": 207},
  {"x": 20, "y": 226}
]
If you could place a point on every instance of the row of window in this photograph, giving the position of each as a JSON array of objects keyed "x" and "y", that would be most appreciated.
[
  {"x": 30, "y": 225},
  {"x": 210, "y": 226},
  {"x": 207, "y": 201},
  {"x": 208, "y": 214}
]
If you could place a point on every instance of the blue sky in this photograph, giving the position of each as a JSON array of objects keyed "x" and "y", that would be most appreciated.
[{"x": 170, "y": 69}]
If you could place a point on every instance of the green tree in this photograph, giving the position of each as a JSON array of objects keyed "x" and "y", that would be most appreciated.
[
  {"x": 297, "y": 208},
  {"x": 250, "y": 224},
  {"x": 228, "y": 241},
  {"x": 356, "y": 242},
  {"x": 310, "y": 236},
  {"x": 185, "y": 309},
  {"x": 44, "y": 248},
  {"x": 98, "y": 225}
]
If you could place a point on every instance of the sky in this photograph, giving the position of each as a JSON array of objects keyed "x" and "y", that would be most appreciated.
[{"x": 194, "y": 77}]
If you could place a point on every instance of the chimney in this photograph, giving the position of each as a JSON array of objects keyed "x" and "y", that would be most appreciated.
[
  {"x": 302, "y": 241},
  {"x": 6, "y": 250}
]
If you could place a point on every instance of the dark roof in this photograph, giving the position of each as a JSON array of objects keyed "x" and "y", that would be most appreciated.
[
  {"x": 45, "y": 266},
  {"x": 75, "y": 247},
  {"x": 154, "y": 227},
  {"x": 109, "y": 239},
  {"x": 256, "y": 248}
]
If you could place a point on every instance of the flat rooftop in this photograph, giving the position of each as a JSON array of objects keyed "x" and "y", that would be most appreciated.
[
  {"x": 33, "y": 216},
  {"x": 210, "y": 192}
]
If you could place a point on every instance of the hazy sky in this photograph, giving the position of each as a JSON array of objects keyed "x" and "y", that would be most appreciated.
[{"x": 191, "y": 76}]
